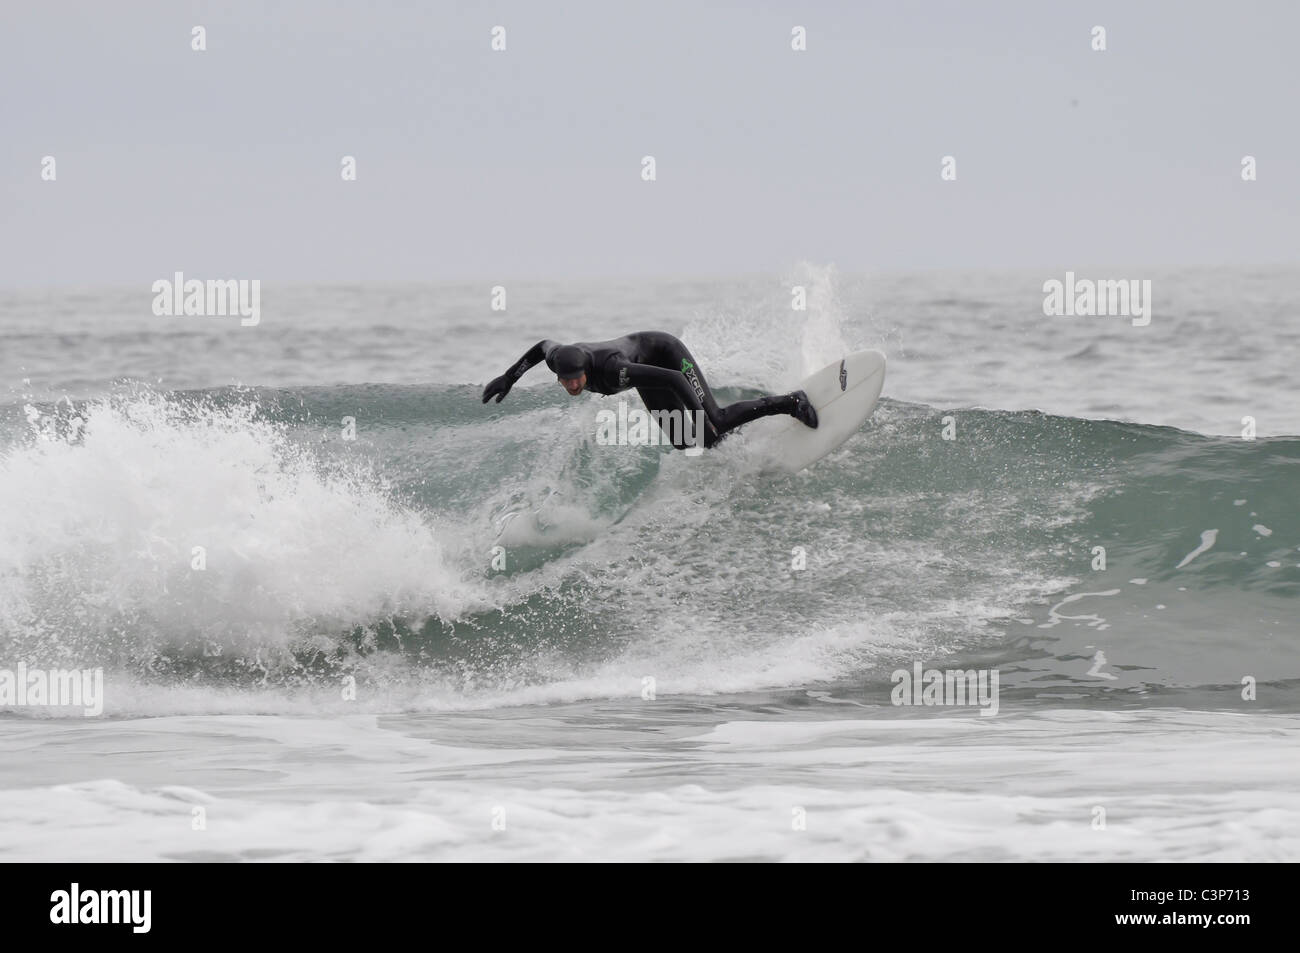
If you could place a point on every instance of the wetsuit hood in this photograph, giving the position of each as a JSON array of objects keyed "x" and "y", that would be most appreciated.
[{"x": 569, "y": 362}]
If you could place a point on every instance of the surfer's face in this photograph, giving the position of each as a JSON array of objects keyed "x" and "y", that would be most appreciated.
[{"x": 574, "y": 385}]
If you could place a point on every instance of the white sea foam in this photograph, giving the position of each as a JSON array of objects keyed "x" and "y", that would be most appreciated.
[
  {"x": 1054, "y": 786},
  {"x": 1208, "y": 538},
  {"x": 165, "y": 521}
]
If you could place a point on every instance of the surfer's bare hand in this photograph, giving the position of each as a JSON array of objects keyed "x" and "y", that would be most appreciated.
[{"x": 498, "y": 388}]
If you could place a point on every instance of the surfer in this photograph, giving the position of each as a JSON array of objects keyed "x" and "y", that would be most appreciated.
[{"x": 664, "y": 374}]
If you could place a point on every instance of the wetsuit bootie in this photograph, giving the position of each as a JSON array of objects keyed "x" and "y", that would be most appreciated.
[{"x": 804, "y": 411}]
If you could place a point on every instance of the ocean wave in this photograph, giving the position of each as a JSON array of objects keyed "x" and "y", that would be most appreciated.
[{"x": 410, "y": 535}]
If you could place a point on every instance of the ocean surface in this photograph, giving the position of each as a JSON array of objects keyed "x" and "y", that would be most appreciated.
[{"x": 345, "y": 611}]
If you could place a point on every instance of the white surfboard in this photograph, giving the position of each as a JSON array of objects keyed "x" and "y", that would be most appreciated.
[{"x": 844, "y": 393}]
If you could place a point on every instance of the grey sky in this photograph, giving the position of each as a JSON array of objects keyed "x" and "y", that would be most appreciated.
[{"x": 476, "y": 164}]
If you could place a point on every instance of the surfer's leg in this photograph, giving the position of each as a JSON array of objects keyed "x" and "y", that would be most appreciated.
[
  {"x": 677, "y": 421},
  {"x": 728, "y": 418}
]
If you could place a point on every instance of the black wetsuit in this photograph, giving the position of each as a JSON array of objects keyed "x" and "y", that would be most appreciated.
[{"x": 666, "y": 376}]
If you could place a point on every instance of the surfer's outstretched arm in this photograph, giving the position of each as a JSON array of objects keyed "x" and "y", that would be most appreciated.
[{"x": 500, "y": 386}]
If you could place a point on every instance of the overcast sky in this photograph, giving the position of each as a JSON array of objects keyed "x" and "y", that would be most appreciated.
[{"x": 474, "y": 164}]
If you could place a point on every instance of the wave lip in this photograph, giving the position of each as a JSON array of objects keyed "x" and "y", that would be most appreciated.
[{"x": 151, "y": 524}]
